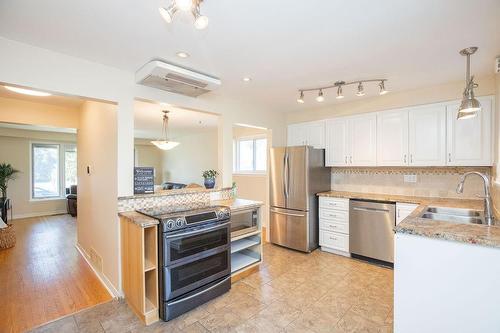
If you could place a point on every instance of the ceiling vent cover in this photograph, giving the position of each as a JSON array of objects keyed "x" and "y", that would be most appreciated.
[{"x": 172, "y": 78}]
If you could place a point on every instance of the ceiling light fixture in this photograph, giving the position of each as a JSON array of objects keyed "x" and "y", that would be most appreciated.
[
  {"x": 320, "y": 97},
  {"x": 27, "y": 91},
  {"x": 339, "y": 92},
  {"x": 165, "y": 144},
  {"x": 383, "y": 91},
  {"x": 339, "y": 85},
  {"x": 301, "y": 98},
  {"x": 182, "y": 54},
  {"x": 200, "y": 21},
  {"x": 470, "y": 106}
]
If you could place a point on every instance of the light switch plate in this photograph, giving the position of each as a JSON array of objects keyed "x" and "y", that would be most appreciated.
[{"x": 410, "y": 178}]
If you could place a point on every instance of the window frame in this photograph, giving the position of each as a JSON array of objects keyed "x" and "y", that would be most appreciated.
[
  {"x": 236, "y": 155},
  {"x": 62, "y": 147}
]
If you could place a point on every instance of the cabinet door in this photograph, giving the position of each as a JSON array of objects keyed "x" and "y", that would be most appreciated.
[
  {"x": 392, "y": 138},
  {"x": 296, "y": 135},
  {"x": 469, "y": 140},
  {"x": 427, "y": 136},
  {"x": 363, "y": 140},
  {"x": 336, "y": 142},
  {"x": 315, "y": 134},
  {"x": 403, "y": 210}
]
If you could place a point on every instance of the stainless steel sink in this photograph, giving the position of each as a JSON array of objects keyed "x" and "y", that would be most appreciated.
[{"x": 456, "y": 215}]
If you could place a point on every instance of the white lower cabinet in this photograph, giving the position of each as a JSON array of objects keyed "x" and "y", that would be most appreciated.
[
  {"x": 403, "y": 210},
  {"x": 334, "y": 225}
]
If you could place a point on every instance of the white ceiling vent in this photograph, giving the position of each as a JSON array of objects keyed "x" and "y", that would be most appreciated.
[{"x": 172, "y": 78}]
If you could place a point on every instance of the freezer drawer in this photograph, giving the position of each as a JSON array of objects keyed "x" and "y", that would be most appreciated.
[{"x": 290, "y": 229}]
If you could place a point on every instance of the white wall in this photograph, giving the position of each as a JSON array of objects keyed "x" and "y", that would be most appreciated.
[
  {"x": 29, "y": 66},
  {"x": 15, "y": 149},
  {"x": 195, "y": 153}
]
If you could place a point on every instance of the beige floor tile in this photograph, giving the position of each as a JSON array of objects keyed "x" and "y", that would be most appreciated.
[
  {"x": 351, "y": 322},
  {"x": 221, "y": 321},
  {"x": 279, "y": 313},
  {"x": 372, "y": 309}
]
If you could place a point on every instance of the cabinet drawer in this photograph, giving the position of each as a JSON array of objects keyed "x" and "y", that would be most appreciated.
[
  {"x": 331, "y": 214},
  {"x": 334, "y": 203},
  {"x": 334, "y": 240},
  {"x": 334, "y": 226}
]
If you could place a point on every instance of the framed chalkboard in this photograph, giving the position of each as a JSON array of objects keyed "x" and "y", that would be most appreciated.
[{"x": 144, "y": 180}]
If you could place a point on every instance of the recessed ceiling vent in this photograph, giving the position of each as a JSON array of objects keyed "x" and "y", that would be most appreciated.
[{"x": 172, "y": 78}]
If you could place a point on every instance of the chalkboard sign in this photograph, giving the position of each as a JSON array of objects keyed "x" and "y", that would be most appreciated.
[{"x": 144, "y": 180}]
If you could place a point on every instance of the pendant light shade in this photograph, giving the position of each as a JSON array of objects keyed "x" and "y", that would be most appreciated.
[
  {"x": 165, "y": 144},
  {"x": 470, "y": 106}
]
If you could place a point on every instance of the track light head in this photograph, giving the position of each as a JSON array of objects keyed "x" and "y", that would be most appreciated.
[
  {"x": 184, "y": 5},
  {"x": 320, "y": 97},
  {"x": 361, "y": 90},
  {"x": 339, "y": 93},
  {"x": 301, "y": 98},
  {"x": 168, "y": 13},
  {"x": 383, "y": 91}
]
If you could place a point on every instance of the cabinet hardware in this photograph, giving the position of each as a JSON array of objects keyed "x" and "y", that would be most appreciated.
[
  {"x": 449, "y": 157},
  {"x": 411, "y": 158},
  {"x": 350, "y": 159},
  {"x": 404, "y": 159},
  {"x": 333, "y": 238},
  {"x": 346, "y": 159}
]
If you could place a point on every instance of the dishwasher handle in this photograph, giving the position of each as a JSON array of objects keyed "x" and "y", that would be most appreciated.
[{"x": 367, "y": 209}]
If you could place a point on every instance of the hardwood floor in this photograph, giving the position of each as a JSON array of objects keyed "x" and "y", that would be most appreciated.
[{"x": 44, "y": 277}]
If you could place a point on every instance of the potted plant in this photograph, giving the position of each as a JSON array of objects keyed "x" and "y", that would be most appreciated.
[
  {"x": 210, "y": 176},
  {"x": 7, "y": 235}
]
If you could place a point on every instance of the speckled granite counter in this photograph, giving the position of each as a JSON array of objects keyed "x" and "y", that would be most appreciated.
[
  {"x": 235, "y": 205},
  {"x": 414, "y": 225}
]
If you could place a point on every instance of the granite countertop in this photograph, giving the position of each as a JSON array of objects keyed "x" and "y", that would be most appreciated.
[
  {"x": 414, "y": 225},
  {"x": 234, "y": 204}
]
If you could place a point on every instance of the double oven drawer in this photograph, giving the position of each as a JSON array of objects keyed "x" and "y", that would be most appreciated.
[{"x": 193, "y": 258}]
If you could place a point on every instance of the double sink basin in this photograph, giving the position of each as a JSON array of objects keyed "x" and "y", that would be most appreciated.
[{"x": 456, "y": 215}]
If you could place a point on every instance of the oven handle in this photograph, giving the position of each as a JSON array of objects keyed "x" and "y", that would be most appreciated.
[
  {"x": 201, "y": 292},
  {"x": 199, "y": 231}
]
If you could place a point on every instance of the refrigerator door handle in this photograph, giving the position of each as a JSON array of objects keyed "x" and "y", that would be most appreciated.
[
  {"x": 287, "y": 214},
  {"x": 285, "y": 175}
]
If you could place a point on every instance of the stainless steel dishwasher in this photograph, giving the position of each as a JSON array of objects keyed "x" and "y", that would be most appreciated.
[{"x": 371, "y": 226}]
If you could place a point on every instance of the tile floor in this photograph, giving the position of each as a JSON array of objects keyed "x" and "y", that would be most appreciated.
[{"x": 293, "y": 292}]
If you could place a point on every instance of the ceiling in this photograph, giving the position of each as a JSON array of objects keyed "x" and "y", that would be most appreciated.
[
  {"x": 57, "y": 100},
  {"x": 281, "y": 47},
  {"x": 148, "y": 120}
]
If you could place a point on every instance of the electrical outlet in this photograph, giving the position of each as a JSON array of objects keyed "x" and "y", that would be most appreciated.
[{"x": 410, "y": 178}]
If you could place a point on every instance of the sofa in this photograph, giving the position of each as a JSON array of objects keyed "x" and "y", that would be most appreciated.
[
  {"x": 172, "y": 186},
  {"x": 71, "y": 198}
]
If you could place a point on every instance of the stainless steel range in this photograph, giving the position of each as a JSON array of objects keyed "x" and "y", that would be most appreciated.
[{"x": 194, "y": 256}]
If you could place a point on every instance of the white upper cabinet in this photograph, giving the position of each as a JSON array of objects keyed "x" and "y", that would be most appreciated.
[
  {"x": 351, "y": 141},
  {"x": 336, "y": 142},
  {"x": 427, "y": 136},
  {"x": 310, "y": 133},
  {"x": 469, "y": 140},
  {"x": 362, "y": 144},
  {"x": 392, "y": 138}
]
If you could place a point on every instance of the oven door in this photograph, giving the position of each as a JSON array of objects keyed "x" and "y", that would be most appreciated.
[
  {"x": 187, "y": 245},
  {"x": 188, "y": 276}
]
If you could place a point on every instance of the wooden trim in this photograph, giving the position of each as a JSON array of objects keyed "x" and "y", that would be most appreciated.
[{"x": 243, "y": 274}]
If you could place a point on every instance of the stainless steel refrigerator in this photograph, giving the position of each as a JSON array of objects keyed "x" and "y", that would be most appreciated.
[{"x": 297, "y": 174}]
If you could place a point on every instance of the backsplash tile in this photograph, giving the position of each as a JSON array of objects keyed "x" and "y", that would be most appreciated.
[{"x": 431, "y": 182}]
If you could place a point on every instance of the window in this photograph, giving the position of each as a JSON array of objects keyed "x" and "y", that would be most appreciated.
[
  {"x": 250, "y": 155},
  {"x": 53, "y": 168}
]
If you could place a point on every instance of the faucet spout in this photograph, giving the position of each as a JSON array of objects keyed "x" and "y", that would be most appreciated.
[{"x": 488, "y": 213}]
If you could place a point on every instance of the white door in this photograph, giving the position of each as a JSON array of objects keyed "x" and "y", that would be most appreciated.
[
  {"x": 392, "y": 138},
  {"x": 363, "y": 140},
  {"x": 427, "y": 136},
  {"x": 469, "y": 140},
  {"x": 296, "y": 135},
  {"x": 316, "y": 134},
  {"x": 336, "y": 142}
]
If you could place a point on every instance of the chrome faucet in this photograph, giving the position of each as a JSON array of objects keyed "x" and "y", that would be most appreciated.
[{"x": 488, "y": 215}]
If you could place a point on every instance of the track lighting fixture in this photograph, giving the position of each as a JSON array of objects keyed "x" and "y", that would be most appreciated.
[
  {"x": 339, "y": 93},
  {"x": 361, "y": 90},
  {"x": 339, "y": 85},
  {"x": 320, "y": 97},
  {"x": 470, "y": 106},
  {"x": 301, "y": 98},
  {"x": 200, "y": 21}
]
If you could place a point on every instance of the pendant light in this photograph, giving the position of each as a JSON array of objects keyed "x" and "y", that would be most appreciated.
[
  {"x": 470, "y": 105},
  {"x": 165, "y": 144}
]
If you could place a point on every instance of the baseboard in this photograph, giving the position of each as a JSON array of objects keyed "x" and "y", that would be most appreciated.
[
  {"x": 39, "y": 214},
  {"x": 104, "y": 280},
  {"x": 338, "y": 252}
]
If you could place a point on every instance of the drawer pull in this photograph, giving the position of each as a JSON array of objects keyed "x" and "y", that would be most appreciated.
[
  {"x": 333, "y": 238},
  {"x": 332, "y": 226}
]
